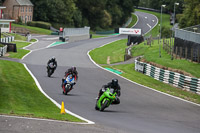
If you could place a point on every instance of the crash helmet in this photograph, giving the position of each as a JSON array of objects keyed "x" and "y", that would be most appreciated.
[
  {"x": 73, "y": 68},
  {"x": 115, "y": 82},
  {"x": 53, "y": 58}
]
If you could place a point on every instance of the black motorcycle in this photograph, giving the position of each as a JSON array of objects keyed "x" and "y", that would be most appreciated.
[{"x": 50, "y": 69}]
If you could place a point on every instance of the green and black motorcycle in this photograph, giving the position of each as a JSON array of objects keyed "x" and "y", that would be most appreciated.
[{"x": 106, "y": 99}]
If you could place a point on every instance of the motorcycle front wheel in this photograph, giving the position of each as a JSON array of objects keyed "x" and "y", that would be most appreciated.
[{"x": 103, "y": 106}]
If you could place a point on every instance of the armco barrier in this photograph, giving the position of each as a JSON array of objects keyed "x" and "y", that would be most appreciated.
[
  {"x": 8, "y": 39},
  {"x": 173, "y": 78},
  {"x": 3, "y": 50}
]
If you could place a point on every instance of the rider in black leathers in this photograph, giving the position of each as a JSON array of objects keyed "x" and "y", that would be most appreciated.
[
  {"x": 113, "y": 84},
  {"x": 52, "y": 60}
]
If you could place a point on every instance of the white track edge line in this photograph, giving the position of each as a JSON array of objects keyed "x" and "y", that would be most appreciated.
[
  {"x": 137, "y": 20},
  {"x": 38, "y": 119},
  {"x": 135, "y": 82}
]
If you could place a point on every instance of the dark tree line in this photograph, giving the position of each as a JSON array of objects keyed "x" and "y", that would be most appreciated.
[{"x": 98, "y": 14}]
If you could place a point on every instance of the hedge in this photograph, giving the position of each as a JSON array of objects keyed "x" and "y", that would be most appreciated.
[{"x": 39, "y": 24}]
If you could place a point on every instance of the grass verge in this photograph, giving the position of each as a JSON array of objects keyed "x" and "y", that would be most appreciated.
[
  {"x": 20, "y": 96},
  {"x": 34, "y": 30},
  {"x": 114, "y": 51},
  {"x": 98, "y": 36}
]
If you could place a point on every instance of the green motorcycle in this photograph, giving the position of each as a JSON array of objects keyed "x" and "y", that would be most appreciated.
[{"x": 106, "y": 99}]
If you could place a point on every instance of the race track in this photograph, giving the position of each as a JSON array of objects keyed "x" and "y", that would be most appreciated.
[{"x": 142, "y": 110}]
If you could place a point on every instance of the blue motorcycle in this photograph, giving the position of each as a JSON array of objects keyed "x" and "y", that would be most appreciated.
[{"x": 68, "y": 84}]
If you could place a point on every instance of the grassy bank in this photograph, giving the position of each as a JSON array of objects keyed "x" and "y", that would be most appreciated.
[
  {"x": 113, "y": 52},
  {"x": 151, "y": 54},
  {"x": 100, "y": 55},
  {"x": 19, "y": 95},
  {"x": 34, "y": 30}
]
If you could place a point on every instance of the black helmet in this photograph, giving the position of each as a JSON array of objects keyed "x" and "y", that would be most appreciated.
[
  {"x": 73, "y": 68},
  {"x": 53, "y": 58},
  {"x": 115, "y": 82}
]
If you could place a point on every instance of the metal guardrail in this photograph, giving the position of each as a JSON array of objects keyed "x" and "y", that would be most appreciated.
[
  {"x": 187, "y": 35},
  {"x": 3, "y": 50},
  {"x": 8, "y": 39},
  {"x": 169, "y": 77}
]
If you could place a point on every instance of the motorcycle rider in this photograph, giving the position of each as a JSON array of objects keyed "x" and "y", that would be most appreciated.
[
  {"x": 74, "y": 73},
  {"x": 52, "y": 60},
  {"x": 113, "y": 84}
]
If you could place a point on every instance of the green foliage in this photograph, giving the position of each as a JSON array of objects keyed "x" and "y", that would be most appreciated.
[
  {"x": 39, "y": 24},
  {"x": 191, "y": 14},
  {"x": 19, "y": 20},
  {"x": 57, "y": 11},
  {"x": 156, "y": 4},
  {"x": 77, "y": 17},
  {"x": 166, "y": 32},
  {"x": 1, "y": 45}
]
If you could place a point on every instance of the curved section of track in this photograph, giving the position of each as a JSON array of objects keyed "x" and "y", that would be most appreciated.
[{"x": 141, "y": 109}]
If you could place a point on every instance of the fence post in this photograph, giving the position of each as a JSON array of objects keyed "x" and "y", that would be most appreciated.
[
  {"x": 192, "y": 54},
  {"x": 172, "y": 56},
  {"x": 181, "y": 50},
  {"x": 186, "y": 50},
  {"x": 198, "y": 55}
]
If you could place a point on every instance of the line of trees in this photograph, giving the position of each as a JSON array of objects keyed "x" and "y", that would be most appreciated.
[{"x": 98, "y": 14}]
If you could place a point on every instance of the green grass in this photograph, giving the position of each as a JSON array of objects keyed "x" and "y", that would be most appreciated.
[
  {"x": 33, "y": 40},
  {"x": 34, "y": 30},
  {"x": 151, "y": 54},
  {"x": 20, "y": 52},
  {"x": 165, "y": 21},
  {"x": 20, "y": 96},
  {"x": 18, "y": 37},
  {"x": 130, "y": 73},
  {"x": 98, "y": 36},
  {"x": 115, "y": 50},
  {"x": 134, "y": 20}
]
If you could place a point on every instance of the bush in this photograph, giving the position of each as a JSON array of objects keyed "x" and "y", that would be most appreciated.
[
  {"x": 166, "y": 32},
  {"x": 1, "y": 45},
  {"x": 39, "y": 24},
  {"x": 178, "y": 17}
]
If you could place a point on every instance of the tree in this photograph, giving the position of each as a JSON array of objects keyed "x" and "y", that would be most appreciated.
[
  {"x": 191, "y": 14},
  {"x": 58, "y": 11}
]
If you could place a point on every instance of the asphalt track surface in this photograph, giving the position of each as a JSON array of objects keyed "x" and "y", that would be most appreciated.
[{"x": 141, "y": 110}]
